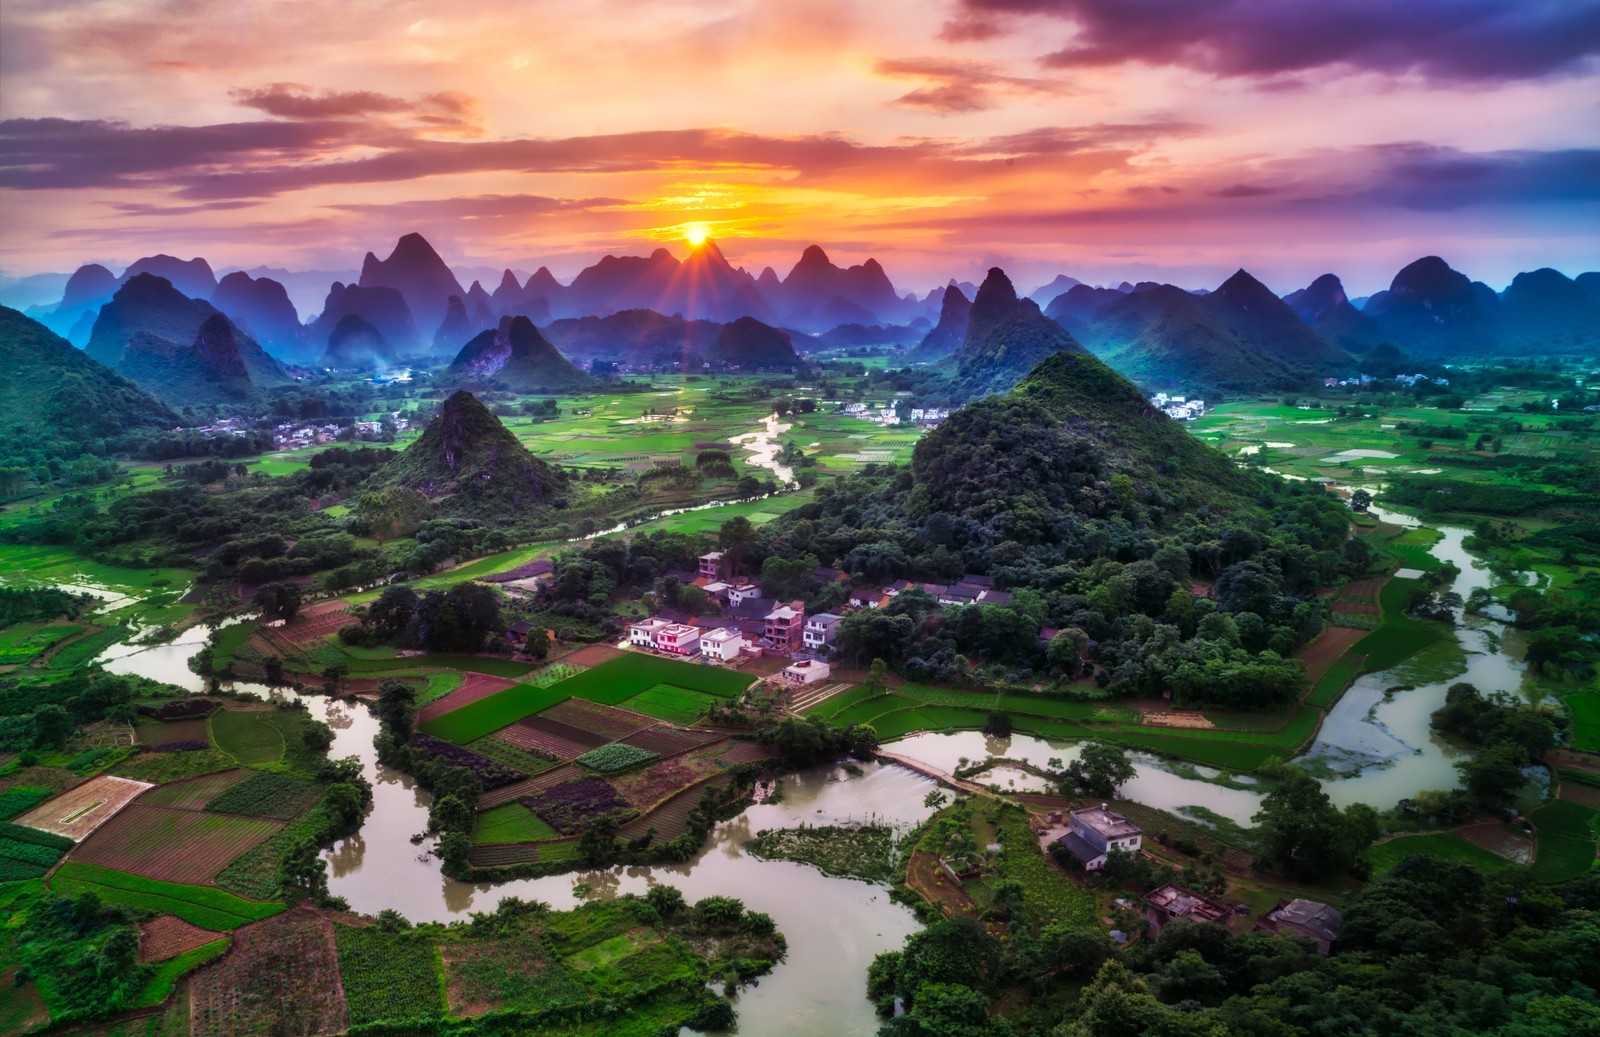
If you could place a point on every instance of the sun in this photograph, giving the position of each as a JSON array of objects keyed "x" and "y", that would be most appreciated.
[{"x": 696, "y": 233}]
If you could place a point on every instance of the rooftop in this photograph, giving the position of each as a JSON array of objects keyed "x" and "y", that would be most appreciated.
[
  {"x": 1316, "y": 918},
  {"x": 1080, "y": 847},
  {"x": 1178, "y": 902},
  {"x": 1107, "y": 823},
  {"x": 719, "y": 634}
]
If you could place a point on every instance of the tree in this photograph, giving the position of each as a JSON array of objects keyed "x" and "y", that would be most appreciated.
[
  {"x": 277, "y": 601},
  {"x": 1360, "y": 500},
  {"x": 450, "y": 814},
  {"x": 395, "y": 699},
  {"x": 51, "y": 724},
  {"x": 1493, "y": 777},
  {"x": 597, "y": 845},
  {"x": 1302, "y": 832},
  {"x": 1101, "y": 769},
  {"x": 345, "y": 804},
  {"x": 736, "y": 537}
]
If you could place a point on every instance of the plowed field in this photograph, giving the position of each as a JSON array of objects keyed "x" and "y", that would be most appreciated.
[{"x": 174, "y": 845}]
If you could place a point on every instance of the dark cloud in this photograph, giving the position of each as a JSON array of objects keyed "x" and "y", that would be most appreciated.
[
  {"x": 447, "y": 110},
  {"x": 1057, "y": 140},
  {"x": 961, "y": 86},
  {"x": 1243, "y": 191},
  {"x": 1444, "y": 39},
  {"x": 481, "y": 207},
  {"x": 1419, "y": 176},
  {"x": 56, "y": 153}
]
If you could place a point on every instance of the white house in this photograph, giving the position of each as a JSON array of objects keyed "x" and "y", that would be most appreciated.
[
  {"x": 806, "y": 671},
  {"x": 679, "y": 639},
  {"x": 820, "y": 630},
  {"x": 643, "y": 633},
  {"x": 1095, "y": 831},
  {"x": 742, "y": 592},
  {"x": 721, "y": 645}
]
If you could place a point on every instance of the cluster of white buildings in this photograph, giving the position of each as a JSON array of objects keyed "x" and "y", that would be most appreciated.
[
  {"x": 1178, "y": 408},
  {"x": 288, "y": 436},
  {"x": 225, "y": 427},
  {"x": 1407, "y": 380},
  {"x": 890, "y": 415}
]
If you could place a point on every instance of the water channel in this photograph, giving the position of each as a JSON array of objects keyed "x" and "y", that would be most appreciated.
[{"x": 1375, "y": 746}]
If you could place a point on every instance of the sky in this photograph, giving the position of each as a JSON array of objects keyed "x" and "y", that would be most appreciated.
[{"x": 1107, "y": 139}]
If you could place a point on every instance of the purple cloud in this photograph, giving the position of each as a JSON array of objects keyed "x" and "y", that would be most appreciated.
[{"x": 1443, "y": 39}]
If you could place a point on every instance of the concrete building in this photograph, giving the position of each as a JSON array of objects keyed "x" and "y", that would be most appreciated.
[
  {"x": 820, "y": 630},
  {"x": 643, "y": 633},
  {"x": 1315, "y": 921},
  {"x": 714, "y": 565},
  {"x": 1170, "y": 903},
  {"x": 806, "y": 671},
  {"x": 679, "y": 639},
  {"x": 784, "y": 626},
  {"x": 721, "y": 645},
  {"x": 741, "y": 592},
  {"x": 1094, "y": 832}
]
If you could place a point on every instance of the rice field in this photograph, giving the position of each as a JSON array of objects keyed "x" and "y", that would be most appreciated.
[
  {"x": 173, "y": 845},
  {"x": 674, "y": 705}
]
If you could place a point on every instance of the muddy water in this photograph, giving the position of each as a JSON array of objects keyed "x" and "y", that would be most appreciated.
[
  {"x": 835, "y": 927},
  {"x": 1152, "y": 783},
  {"x": 1375, "y": 745},
  {"x": 763, "y": 446}
]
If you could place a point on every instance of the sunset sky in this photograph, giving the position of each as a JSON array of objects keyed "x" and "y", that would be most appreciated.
[{"x": 1108, "y": 139}]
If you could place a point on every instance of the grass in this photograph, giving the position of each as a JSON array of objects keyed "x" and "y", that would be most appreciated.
[
  {"x": 204, "y": 906},
  {"x": 865, "y": 852},
  {"x": 392, "y": 976},
  {"x": 674, "y": 705},
  {"x": 487, "y": 715},
  {"x": 249, "y": 737},
  {"x": 1566, "y": 840},
  {"x": 511, "y": 823},
  {"x": 166, "y": 974},
  {"x": 610, "y": 684},
  {"x": 1585, "y": 709},
  {"x": 1385, "y": 855}
]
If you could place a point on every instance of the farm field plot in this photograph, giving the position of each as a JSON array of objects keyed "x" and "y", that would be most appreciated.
[
  {"x": 669, "y": 740},
  {"x": 167, "y": 936},
  {"x": 1385, "y": 855},
  {"x": 21, "y": 642},
  {"x": 510, "y": 823},
  {"x": 27, "y": 853},
  {"x": 281, "y": 976},
  {"x": 248, "y": 736},
  {"x": 172, "y": 845},
  {"x": 671, "y": 819},
  {"x": 14, "y": 801},
  {"x": 593, "y": 655},
  {"x": 172, "y": 731},
  {"x": 672, "y": 704},
  {"x": 1565, "y": 845},
  {"x": 646, "y": 788},
  {"x": 474, "y": 687},
  {"x": 548, "y": 738},
  {"x": 515, "y": 972},
  {"x": 205, "y": 906},
  {"x": 194, "y": 793},
  {"x": 606, "y": 721},
  {"x": 510, "y": 793},
  {"x": 488, "y": 715},
  {"x": 274, "y": 796},
  {"x": 633, "y": 672},
  {"x": 388, "y": 975},
  {"x": 77, "y": 812},
  {"x": 315, "y": 622}
]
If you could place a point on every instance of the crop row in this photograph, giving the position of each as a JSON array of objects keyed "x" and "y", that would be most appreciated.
[
  {"x": 490, "y": 773},
  {"x": 614, "y": 757},
  {"x": 267, "y": 795},
  {"x": 566, "y": 807}
]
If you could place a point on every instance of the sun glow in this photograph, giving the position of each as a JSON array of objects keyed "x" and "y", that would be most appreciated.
[{"x": 696, "y": 233}]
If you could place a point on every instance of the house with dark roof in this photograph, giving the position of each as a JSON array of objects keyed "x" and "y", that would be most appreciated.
[
  {"x": 820, "y": 630},
  {"x": 1094, "y": 832},
  {"x": 1171, "y": 903},
  {"x": 1315, "y": 921}
]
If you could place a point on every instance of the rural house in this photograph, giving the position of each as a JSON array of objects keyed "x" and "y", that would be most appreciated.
[
  {"x": 643, "y": 633},
  {"x": 820, "y": 630},
  {"x": 1170, "y": 903},
  {"x": 721, "y": 645},
  {"x": 1094, "y": 832},
  {"x": 714, "y": 565},
  {"x": 679, "y": 639},
  {"x": 784, "y": 625},
  {"x": 1315, "y": 921},
  {"x": 806, "y": 671}
]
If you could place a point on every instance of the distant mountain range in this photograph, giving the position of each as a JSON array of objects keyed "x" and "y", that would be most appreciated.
[
  {"x": 658, "y": 309},
  {"x": 516, "y": 356}
]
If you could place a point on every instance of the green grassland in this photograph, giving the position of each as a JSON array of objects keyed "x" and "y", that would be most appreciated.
[
  {"x": 249, "y": 737},
  {"x": 205, "y": 906},
  {"x": 1385, "y": 855},
  {"x": 672, "y": 704},
  {"x": 612, "y": 683},
  {"x": 1565, "y": 840},
  {"x": 511, "y": 823}
]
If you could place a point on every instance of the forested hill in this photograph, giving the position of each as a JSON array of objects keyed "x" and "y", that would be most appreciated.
[
  {"x": 1095, "y": 515},
  {"x": 55, "y": 394},
  {"x": 468, "y": 457}
]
